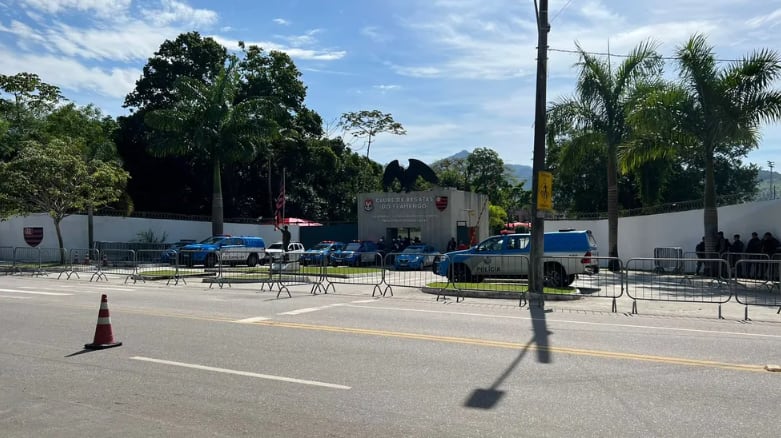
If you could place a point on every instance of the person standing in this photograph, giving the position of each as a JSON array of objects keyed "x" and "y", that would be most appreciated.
[
  {"x": 700, "y": 251},
  {"x": 735, "y": 254},
  {"x": 753, "y": 250},
  {"x": 769, "y": 247},
  {"x": 285, "y": 238},
  {"x": 451, "y": 244}
]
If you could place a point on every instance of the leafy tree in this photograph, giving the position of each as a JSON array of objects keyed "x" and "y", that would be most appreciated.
[
  {"x": 451, "y": 173},
  {"x": 54, "y": 177},
  {"x": 497, "y": 217},
  {"x": 370, "y": 123},
  {"x": 596, "y": 115},
  {"x": 207, "y": 122},
  {"x": 486, "y": 174},
  {"x": 715, "y": 112},
  {"x": 24, "y": 100}
]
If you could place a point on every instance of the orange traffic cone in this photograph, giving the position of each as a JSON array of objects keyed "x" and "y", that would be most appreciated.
[{"x": 104, "y": 338}]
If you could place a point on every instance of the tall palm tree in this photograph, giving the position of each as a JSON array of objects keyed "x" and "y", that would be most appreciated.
[
  {"x": 208, "y": 122},
  {"x": 596, "y": 115},
  {"x": 711, "y": 111}
]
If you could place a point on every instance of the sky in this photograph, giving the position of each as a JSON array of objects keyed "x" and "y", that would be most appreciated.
[{"x": 457, "y": 74}]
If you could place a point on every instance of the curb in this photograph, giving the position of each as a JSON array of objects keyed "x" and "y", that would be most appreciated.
[{"x": 498, "y": 295}]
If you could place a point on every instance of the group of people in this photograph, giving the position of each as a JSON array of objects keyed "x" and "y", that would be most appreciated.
[
  {"x": 735, "y": 250},
  {"x": 397, "y": 244}
]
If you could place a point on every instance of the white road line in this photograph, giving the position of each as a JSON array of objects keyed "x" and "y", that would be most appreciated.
[
  {"x": 251, "y": 320},
  {"x": 304, "y": 310},
  {"x": 18, "y": 298},
  {"x": 644, "y": 327},
  {"x": 241, "y": 373},
  {"x": 364, "y": 301},
  {"x": 15, "y": 291}
]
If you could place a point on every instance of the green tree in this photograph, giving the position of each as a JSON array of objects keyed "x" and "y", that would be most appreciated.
[
  {"x": 367, "y": 124},
  {"x": 206, "y": 121},
  {"x": 24, "y": 101},
  {"x": 714, "y": 112},
  {"x": 451, "y": 173},
  {"x": 486, "y": 174},
  {"x": 497, "y": 217},
  {"x": 53, "y": 177},
  {"x": 596, "y": 115}
]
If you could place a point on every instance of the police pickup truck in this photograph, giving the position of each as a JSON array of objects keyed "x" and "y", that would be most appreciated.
[{"x": 566, "y": 254}]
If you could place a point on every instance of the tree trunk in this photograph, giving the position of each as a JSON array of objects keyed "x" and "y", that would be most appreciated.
[
  {"x": 59, "y": 238},
  {"x": 711, "y": 215},
  {"x": 612, "y": 211},
  {"x": 90, "y": 227},
  {"x": 217, "y": 218}
]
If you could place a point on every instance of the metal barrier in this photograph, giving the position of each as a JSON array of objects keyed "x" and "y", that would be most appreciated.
[
  {"x": 30, "y": 260},
  {"x": 762, "y": 285},
  {"x": 648, "y": 283},
  {"x": 79, "y": 260},
  {"x": 409, "y": 269},
  {"x": 368, "y": 272},
  {"x": 7, "y": 259}
]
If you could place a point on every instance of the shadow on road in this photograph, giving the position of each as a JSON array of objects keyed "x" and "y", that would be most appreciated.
[{"x": 488, "y": 398}]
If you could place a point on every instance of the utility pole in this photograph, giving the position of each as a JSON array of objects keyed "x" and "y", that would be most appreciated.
[
  {"x": 536, "y": 278},
  {"x": 770, "y": 164}
]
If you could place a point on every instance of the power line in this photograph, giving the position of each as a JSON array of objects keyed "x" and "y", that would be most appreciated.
[
  {"x": 618, "y": 55},
  {"x": 560, "y": 11}
]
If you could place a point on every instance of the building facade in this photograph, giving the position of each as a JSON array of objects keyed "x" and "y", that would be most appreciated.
[{"x": 432, "y": 216}]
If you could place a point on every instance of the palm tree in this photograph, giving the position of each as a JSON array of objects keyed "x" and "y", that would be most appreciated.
[
  {"x": 208, "y": 122},
  {"x": 711, "y": 112},
  {"x": 596, "y": 116}
]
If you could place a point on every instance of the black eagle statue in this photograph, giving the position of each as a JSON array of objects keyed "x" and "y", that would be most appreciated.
[{"x": 408, "y": 176}]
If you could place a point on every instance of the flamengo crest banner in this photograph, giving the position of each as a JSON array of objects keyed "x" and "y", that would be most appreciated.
[
  {"x": 33, "y": 235},
  {"x": 441, "y": 202}
]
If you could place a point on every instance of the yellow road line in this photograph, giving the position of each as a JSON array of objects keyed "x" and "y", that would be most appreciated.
[{"x": 517, "y": 346}]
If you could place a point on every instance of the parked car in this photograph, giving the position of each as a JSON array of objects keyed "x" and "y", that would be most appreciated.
[
  {"x": 275, "y": 250},
  {"x": 357, "y": 253},
  {"x": 224, "y": 249},
  {"x": 415, "y": 257},
  {"x": 567, "y": 254},
  {"x": 320, "y": 254},
  {"x": 169, "y": 254}
]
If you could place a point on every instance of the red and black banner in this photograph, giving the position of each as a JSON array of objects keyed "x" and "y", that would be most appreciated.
[{"x": 33, "y": 235}]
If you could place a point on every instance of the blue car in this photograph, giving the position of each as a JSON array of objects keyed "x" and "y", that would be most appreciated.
[
  {"x": 231, "y": 250},
  {"x": 415, "y": 257},
  {"x": 320, "y": 254},
  {"x": 357, "y": 253}
]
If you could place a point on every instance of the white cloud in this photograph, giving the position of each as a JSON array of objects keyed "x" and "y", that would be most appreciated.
[
  {"x": 103, "y": 8},
  {"x": 389, "y": 87},
  {"x": 172, "y": 11},
  {"x": 294, "y": 52},
  {"x": 376, "y": 35},
  {"x": 281, "y": 21}
]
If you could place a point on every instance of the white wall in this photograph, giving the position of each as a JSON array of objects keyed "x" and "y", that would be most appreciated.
[
  {"x": 121, "y": 229},
  {"x": 637, "y": 236}
]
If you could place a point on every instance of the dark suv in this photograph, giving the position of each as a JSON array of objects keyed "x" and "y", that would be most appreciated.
[{"x": 357, "y": 253}]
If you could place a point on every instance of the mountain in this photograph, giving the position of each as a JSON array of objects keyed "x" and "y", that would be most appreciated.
[{"x": 519, "y": 171}]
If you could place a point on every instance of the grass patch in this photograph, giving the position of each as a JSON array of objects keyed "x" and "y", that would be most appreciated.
[{"x": 500, "y": 287}]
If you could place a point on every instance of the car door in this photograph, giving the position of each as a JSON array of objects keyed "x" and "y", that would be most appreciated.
[{"x": 515, "y": 255}]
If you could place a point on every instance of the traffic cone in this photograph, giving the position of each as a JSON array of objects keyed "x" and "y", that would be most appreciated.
[{"x": 104, "y": 338}]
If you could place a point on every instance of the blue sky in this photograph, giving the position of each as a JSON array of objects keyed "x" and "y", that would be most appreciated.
[{"x": 458, "y": 74}]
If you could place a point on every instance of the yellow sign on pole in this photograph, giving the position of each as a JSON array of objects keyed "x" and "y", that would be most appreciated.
[{"x": 544, "y": 190}]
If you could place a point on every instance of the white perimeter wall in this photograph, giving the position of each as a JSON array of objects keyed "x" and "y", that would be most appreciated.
[
  {"x": 637, "y": 236},
  {"x": 120, "y": 229}
]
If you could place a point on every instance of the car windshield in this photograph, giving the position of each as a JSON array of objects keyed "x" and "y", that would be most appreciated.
[
  {"x": 213, "y": 240},
  {"x": 353, "y": 246},
  {"x": 320, "y": 246},
  {"x": 275, "y": 246},
  {"x": 414, "y": 250}
]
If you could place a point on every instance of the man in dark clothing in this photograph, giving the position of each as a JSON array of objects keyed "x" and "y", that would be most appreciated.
[
  {"x": 735, "y": 253},
  {"x": 451, "y": 245},
  {"x": 752, "y": 251},
  {"x": 285, "y": 238},
  {"x": 700, "y": 249}
]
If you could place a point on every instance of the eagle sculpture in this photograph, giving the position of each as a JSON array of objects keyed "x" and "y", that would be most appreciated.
[{"x": 408, "y": 176}]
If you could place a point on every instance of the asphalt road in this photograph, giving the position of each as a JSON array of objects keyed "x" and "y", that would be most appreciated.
[{"x": 238, "y": 362}]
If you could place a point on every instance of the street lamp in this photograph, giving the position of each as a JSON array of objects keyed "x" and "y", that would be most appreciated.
[{"x": 770, "y": 164}]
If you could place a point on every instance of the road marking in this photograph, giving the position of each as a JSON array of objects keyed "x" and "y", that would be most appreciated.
[
  {"x": 607, "y": 324},
  {"x": 518, "y": 346},
  {"x": 241, "y": 373},
  {"x": 364, "y": 301},
  {"x": 251, "y": 320},
  {"x": 311, "y": 309},
  {"x": 15, "y": 291},
  {"x": 17, "y": 298}
]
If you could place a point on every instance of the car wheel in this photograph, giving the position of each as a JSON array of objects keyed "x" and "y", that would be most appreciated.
[
  {"x": 252, "y": 260},
  {"x": 570, "y": 279},
  {"x": 211, "y": 261},
  {"x": 461, "y": 273},
  {"x": 555, "y": 275}
]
